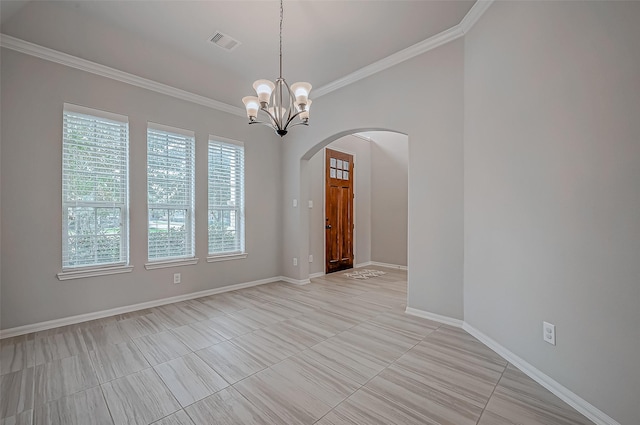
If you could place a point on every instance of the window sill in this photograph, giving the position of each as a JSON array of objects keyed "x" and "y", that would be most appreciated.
[
  {"x": 226, "y": 257},
  {"x": 104, "y": 271},
  {"x": 171, "y": 263}
]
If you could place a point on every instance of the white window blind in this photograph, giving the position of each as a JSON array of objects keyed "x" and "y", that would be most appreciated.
[
  {"x": 95, "y": 153},
  {"x": 170, "y": 191},
  {"x": 226, "y": 197}
]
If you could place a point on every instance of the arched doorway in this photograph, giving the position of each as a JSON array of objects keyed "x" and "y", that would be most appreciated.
[{"x": 380, "y": 189}]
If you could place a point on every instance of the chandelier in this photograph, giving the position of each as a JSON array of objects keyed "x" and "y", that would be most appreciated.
[{"x": 282, "y": 104}]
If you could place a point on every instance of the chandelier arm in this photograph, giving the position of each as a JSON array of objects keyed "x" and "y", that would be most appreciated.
[
  {"x": 292, "y": 104},
  {"x": 292, "y": 101},
  {"x": 292, "y": 118},
  {"x": 278, "y": 128},
  {"x": 292, "y": 98},
  {"x": 263, "y": 123},
  {"x": 279, "y": 105},
  {"x": 300, "y": 123},
  {"x": 273, "y": 119}
]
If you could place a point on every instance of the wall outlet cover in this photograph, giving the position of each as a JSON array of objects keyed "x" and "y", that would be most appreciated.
[{"x": 549, "y": 333}]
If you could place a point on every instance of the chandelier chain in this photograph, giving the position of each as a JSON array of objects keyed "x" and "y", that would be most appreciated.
[
  {"x": 281, "y": 19},
  {"x": 288, "y": 103}
]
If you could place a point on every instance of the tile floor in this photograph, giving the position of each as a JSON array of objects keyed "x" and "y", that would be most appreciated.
[{"x": 338, "y": 351}]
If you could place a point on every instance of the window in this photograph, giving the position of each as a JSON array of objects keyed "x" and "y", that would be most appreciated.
[
  {"x": 226, "y": 198},
  {"x": 170, "y": 187},
  {"x": 95, "y": 217}
]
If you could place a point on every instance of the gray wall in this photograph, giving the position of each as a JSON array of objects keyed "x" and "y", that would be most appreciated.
[
  {"x": 362, "y": 204},
  {"x": 430, "y": 88},
  {"x": 552, "y": 191},
  {"x": 544, "y": 98},
  {"x": 389, "y": 197},
  {"x": 33, "y": 93}
]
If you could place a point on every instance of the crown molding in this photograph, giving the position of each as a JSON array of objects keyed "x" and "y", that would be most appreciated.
[
  {"x": 453, "y": 33},
  {"x": 45, "y": 53},
  {"x": 392, "y": 60},
  {"x": 472, "y": 16}
]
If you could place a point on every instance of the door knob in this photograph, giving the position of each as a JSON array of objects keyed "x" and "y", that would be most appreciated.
[{"x": 328, "y": 226}]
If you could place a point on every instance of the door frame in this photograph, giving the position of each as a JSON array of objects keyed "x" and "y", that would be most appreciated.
[{"x": 324, "y": 204}]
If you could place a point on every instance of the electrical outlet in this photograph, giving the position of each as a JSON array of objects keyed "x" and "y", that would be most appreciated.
[
  {"x": 295, "y": 203},
  {"x": 549, "y": 333},
  {"x": 310, "y": 204},
  {"x": 295, "y": 261},
  {"x": 310, "y": 258},
  {"x": 176, "y": 278}
]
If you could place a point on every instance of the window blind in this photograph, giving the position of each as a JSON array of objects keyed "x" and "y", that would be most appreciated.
[
  {"x": 170, "y": 192},
  {"x": 226, "y": 197},
  {"x": 95, "y": 153}
]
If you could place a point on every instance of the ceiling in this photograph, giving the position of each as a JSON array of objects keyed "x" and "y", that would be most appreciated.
[{"x": 168, "y": 41}]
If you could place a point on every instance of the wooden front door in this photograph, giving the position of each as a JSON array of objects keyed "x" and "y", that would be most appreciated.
[{"x": 339, "y": 210}]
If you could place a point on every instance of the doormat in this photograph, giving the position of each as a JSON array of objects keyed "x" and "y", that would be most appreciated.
[{"x": 364, "y": 274}]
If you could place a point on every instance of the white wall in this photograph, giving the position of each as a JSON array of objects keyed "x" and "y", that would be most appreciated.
[
  {"x": 552, "y": 191},
  {"x": 389, "y": 197},
  {"x": 33, "y": 93},
  {"x": 361, "y": 150}
]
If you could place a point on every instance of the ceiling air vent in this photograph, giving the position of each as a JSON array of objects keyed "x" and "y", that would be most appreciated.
[{"x": 224, "y": 41}]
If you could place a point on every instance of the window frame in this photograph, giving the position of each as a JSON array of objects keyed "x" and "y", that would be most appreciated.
[
  {"x": 216, "y": 256},
  {"x": 189, "y": 220},
  {"x": 99, "y": 268}
]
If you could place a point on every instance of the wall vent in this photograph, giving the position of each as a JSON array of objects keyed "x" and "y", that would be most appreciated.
[{"x": 224, "y": 41}]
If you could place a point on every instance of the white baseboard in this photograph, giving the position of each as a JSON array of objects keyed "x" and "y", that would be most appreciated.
[
  {"x": 314, "y": 275},
  {"x": 391, "y": 266},
  {"x": 591, "y": 412},
  {"x": 294, "y": 281},
  {"x": 72, "y": 320},
  {"x": 365, "y": 264},
  {"x": 572, "y": 399},
  {"x": 588, "y": 410},
  {"x": 435, "y": 317}
]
